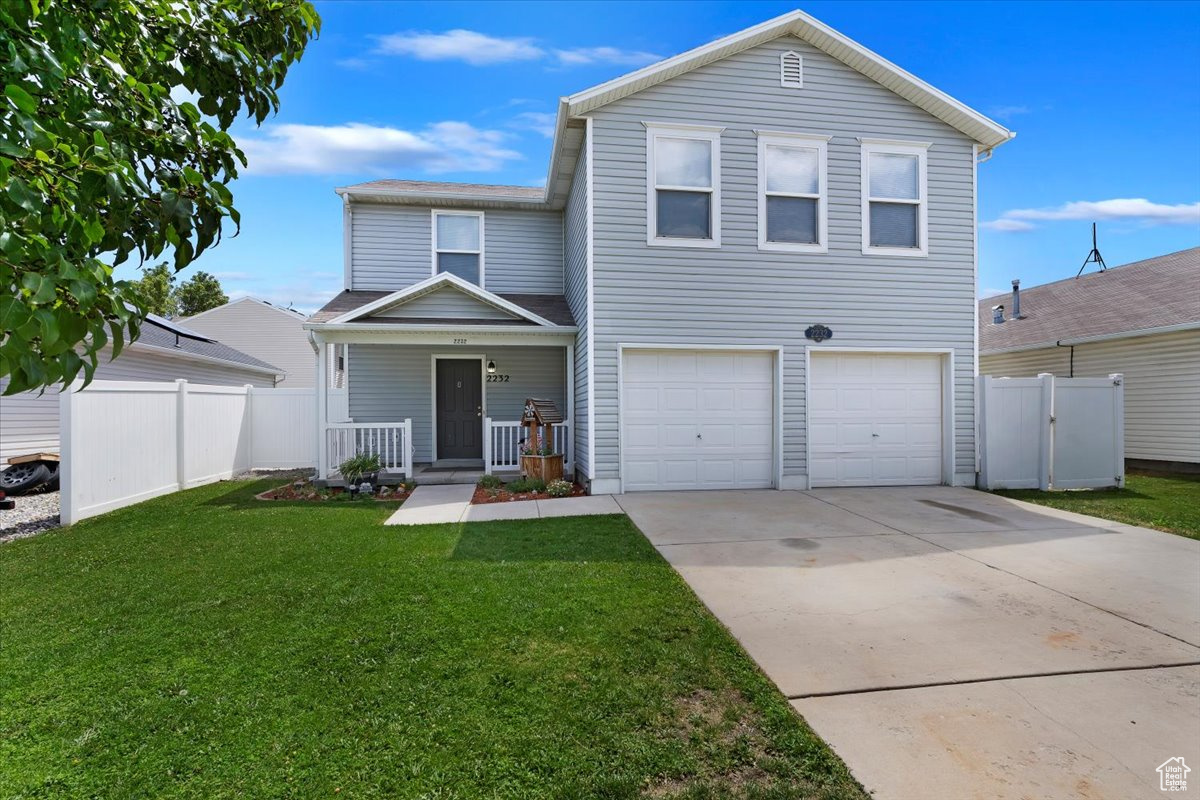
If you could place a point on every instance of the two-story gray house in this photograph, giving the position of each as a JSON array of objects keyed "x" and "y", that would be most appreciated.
[{"x": 752, "y": 265}]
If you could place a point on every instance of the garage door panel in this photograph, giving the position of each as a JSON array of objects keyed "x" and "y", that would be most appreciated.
[
  {"x": 875, "y": 419},
  {"x": 712, "y": 418}
]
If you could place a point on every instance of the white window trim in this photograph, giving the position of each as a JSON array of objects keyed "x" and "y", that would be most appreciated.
[
  {"x": 709, "y": 133},
  {"x": 810, "y": 140},
  {"x": 905, "y": 148},
  {"x": 433, "y": 239}
]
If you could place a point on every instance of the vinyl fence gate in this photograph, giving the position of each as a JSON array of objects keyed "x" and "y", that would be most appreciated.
[{"x": 1051, "y": 433}]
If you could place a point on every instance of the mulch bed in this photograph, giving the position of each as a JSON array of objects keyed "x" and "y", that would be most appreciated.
[
  {"x": 306, "y": 491},
  {"x": 502, "y": 495}
]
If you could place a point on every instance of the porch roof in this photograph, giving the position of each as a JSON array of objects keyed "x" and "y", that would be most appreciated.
[{"x": 551, "y": 307}]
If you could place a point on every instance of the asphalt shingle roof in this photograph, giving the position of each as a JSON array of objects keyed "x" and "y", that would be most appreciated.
[
  {"x": 1154, "y": 293},
  {"x": 155, "y": 336}
]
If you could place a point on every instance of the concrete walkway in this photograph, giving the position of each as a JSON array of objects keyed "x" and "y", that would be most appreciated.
[
  {"x": 431, "y": 505},
  {"x": 949, "y": 643}
]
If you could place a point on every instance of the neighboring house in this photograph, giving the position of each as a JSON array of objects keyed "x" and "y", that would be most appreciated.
[
  {"x": 29, "y": 420},
  {"x": 270, "y": 333},
  {"x": 1141, "y": 319},
  {"x": 700, "y": 216}
]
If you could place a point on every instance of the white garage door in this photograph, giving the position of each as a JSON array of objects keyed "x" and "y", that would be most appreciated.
[
  {"x": 875, "y": 420},
  {"x": 697, "y": 419}
]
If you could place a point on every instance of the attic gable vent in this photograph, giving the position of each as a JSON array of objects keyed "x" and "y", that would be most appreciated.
[{"x": 791, "y": 70}]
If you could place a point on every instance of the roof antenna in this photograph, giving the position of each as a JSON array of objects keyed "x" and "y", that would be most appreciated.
[{"x": 1093, "y": 256}]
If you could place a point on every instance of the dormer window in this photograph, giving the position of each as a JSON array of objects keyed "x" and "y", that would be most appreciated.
[
  {"x": 683, "y": 185},
  {"x": 458, "y": 244}
]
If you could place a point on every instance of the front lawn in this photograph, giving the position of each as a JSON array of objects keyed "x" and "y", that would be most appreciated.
[
  {"x": 1167, "y": 502},
  {"x": 208, "y": 645}
]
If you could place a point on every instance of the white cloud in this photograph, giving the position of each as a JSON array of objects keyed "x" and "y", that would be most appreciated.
[
  {"x": 1008, "y": 225},
  {"x": 474, "y": 48},
  {"x": 480, "y": 49},
  {"x": 605, "y": 55},
  {"x": 1008, "y": 112},
  {"x": 540, "y": 121},
  {"x": 355, "y": 147},
  {"x": 1139, "y": 210},
  {"x": 355, "y": 63}
]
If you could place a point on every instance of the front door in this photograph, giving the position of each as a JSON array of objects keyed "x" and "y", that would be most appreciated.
[{"x": 459, "y": 409}]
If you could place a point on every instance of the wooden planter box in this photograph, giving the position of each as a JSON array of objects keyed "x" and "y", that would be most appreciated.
[{"x": 542, "y": 468}]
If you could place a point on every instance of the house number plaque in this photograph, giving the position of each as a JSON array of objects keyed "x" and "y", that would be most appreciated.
[{"x": 818, "y": 333}]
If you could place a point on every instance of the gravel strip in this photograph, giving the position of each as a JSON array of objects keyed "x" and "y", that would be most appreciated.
[{"x": 34, "y": 513}]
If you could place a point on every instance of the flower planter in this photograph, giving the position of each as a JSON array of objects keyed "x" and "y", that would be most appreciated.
[{"x": 542, "y": 468}]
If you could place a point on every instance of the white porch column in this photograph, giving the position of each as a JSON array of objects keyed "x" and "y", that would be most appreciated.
[{"x": 322, "y": 406}]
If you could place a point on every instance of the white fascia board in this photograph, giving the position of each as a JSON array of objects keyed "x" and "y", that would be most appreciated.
[
  {"x": 1100, "y": 337},
  {"x": 431, "y": 284},
  {"x": 353, "y": 194},
  {"x": 518, "y": 335}
]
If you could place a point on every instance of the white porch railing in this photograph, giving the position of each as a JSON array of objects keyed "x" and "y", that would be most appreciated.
[
  {"x": 502, "y": 445},
  {"x": 391, "y": 441}
]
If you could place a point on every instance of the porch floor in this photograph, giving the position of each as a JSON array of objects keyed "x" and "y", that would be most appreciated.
[{"x": 430, "y": 475}]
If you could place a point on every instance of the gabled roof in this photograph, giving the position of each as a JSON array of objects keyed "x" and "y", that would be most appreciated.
[
  {"x": 286, "y": 311},
  {"x": 1136, "y": 299},
  {"x": 796, "y": 23},
  {"x": 568, "y": 133},
  {"x": 433, "y": 284}
]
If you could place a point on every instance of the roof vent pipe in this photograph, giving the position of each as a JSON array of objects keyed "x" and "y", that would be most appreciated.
[
  {"x": 1016, "y": 307},
  {"x": 997, "y": 314}
]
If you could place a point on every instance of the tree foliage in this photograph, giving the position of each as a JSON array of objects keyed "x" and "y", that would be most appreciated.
[
  {"x": 199, "y": 293},
  {"x": 156, "y": 291},
  {"x": 99, "y": 163}
]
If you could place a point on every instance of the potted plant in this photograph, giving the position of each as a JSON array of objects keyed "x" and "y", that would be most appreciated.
[{"x": 360, "y": 468}]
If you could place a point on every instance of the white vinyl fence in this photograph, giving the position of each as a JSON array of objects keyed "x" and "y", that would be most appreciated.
[
  {"x": 1051, "y": 433},
  {"x": 127, "y": 441}
]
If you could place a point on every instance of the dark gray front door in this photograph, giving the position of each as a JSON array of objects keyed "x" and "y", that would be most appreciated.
[{"x": 459, "y": 409}]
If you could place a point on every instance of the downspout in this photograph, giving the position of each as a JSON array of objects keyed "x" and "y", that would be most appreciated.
[{"x": 1071, "y": 373}]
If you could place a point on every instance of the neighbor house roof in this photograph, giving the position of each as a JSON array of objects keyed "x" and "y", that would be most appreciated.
[
  {"x": 1156, "y": 294},
  {"x": 162, "y": 337},
  {"x": 568, "y": 134},
  {"x": 285, "y": 311}
]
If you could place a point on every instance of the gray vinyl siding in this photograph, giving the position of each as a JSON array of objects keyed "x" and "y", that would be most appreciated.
[
  {"x": 391, "y": 247},
  {"x": 736, "y": 295},
  {"x": 29, "y": 421},
  {"x": 576, "y": 292},
  {"x": 390, "y": 383},
  {"x": 269, "y": 334},
  {"x": 446, "y": 304},
  {"x": 1162, "y": 386}
]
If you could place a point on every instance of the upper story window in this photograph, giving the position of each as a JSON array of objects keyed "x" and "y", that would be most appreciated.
[
  {"x": 458, "y": 244},
  {"x": 792, "y": 192},
  {"x": 894, "y": 203},
  {"x": 683, "y": 181}
]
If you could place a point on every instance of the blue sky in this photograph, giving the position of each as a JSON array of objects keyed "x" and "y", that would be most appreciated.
[{"x": 1105, "y": 98}]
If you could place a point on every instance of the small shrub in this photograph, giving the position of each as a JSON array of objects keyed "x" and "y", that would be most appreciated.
[
  {"x": 353, "y": 469},
  {"x": 522, "y": 485},
  {"x": 559, "y": 488},
  {"x": 489, "y": 482}
]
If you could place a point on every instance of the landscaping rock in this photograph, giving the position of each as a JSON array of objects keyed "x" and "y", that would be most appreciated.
[{"x": 33, "y": 514}]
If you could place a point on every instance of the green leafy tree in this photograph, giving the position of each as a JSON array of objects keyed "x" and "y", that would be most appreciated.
[
  {"x": 100, "y": 164},
  {"x": 199, "y": 293},
  {"x": 156, "y": 291}
]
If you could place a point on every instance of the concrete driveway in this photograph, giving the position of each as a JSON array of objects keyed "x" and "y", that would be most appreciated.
[{"x": 953, "y": 644}]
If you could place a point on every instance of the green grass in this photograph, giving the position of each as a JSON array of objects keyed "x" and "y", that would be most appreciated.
[
  {"x": 1167, "y": 502},
  {"x": 209, "y": 645}
]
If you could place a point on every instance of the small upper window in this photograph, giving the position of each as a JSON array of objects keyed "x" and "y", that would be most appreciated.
[
  {"x": 894, "y": 204},
  {"x": 791, "y": 70},
  {"x": 458, "y": 244},
  {"x": 683, "y": 177},
  {"x": 791, "y": 192}
]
